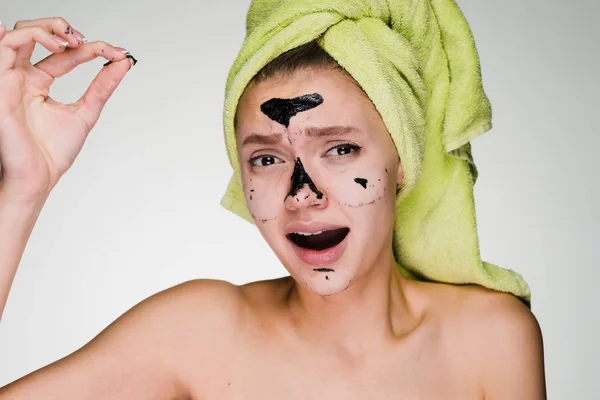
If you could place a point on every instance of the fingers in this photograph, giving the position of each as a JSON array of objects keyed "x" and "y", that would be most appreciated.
[
  {"x": 70, "y": 49},
  {"x": 102, "y": 87},
  {"x": 57, "y": 26},
  {"x": 25, "y": 39},
  {"x": 55, "y": 34},
  {"x": 57, "y": 65}
]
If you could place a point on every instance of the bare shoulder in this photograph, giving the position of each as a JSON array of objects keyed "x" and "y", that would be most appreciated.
[
  {"x": 176, "y": 322},
  {"x": 507, "y": 344},
  {"x": 478, "y": 310},
  {"x": 496, "y": 337},
  {"x": 202, "y": 317},
  {"x": 495, "y": 318},
  {"x": 199, "y": 300},
  {"x": 148, "y": 352},
  {"x": 489, "y": 310},
  {"x": 218, "y": 311},
  {"x": 197, "y": 306}
]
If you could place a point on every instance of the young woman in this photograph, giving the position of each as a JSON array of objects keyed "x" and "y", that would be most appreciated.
[{"x": 320, "y": 174}]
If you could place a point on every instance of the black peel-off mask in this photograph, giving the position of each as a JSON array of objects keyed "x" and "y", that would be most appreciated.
[
  {"x": 301, "y": 178},
  {"x": 282, "y": 111},
  {"x": 369, "y": 193},
  {"x": 361, "y": 181}
]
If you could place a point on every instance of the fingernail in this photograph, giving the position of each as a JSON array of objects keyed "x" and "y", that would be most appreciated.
[
  {"x": 132, "y": 60},
  {"x": 122, "y": 50},
  {"x": 1, "y": 22},
  {"x": 60, "y": 41},
  {"x": 80, "y": 37}
]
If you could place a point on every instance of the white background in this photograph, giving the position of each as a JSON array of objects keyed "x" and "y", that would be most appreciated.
[{"x": 139, "y": 211}]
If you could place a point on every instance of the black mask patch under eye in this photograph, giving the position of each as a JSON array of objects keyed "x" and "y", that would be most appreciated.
[
  {"x": 282, "y": 110},
  {"x": 301, "y": 178},
  {"x": 361, "y": 181}
]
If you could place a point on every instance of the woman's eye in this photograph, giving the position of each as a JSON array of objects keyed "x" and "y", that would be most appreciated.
[
  {"x": 264, "y": 161},
  {"x": 343, "y": 149}
]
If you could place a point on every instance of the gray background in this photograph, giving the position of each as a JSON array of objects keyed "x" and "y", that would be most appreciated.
[{"x": 139, "y": 211}]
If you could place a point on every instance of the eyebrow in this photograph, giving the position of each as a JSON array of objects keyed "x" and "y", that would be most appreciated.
[
  {"x": 329, "y": 131},
  {"x": 311, "y": 131},
  {"x": 256, "y": 138}
]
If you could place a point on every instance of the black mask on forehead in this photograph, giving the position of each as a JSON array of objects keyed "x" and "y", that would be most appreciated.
[{"x": 282, "y": 111}]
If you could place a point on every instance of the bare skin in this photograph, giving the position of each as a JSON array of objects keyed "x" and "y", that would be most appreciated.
[{"x": 373, "y": 335}]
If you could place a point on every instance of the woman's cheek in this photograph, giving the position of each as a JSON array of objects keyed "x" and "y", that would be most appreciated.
[
  {"x": 358, "y": 187},
  {"x": 265, "y": 195}
]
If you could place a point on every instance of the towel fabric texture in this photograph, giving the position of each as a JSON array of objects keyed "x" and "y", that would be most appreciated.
[{"x": 417, "y": 62}]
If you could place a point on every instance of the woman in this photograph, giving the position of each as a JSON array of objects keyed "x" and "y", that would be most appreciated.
[{"x": 321, "y": 177}]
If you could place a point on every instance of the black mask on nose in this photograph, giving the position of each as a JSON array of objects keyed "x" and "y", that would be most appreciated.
[
  {"x": 282, "y": 111},
  {"x": 301, "y": 178}
]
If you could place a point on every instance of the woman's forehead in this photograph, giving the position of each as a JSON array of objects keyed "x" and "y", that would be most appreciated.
[
  {"x": 343, "y": 102},
  {"x": 329, "y": 79}
]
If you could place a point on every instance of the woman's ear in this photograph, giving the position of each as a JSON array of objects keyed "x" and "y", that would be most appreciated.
[
  {"x": 399, "y": 177},
  {"x": 400, "y": 174}
]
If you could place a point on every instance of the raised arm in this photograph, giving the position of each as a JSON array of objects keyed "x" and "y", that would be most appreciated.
[
  {"x": 166, "y": 343},
  {"x": 17, "y": 218},
  {"x": 39, "y": 140},
  {"x": 39, "y": 137}
]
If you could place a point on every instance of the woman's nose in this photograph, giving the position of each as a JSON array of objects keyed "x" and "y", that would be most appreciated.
[
  {"x": 303, "y": 191},
  {"x": 305, "y": 197}
]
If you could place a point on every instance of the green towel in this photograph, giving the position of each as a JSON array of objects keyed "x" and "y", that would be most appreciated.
[{"x": 417, "y": 61}]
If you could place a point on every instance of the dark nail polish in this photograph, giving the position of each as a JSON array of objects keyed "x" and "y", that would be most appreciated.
[{"x": 133, "y": 59}]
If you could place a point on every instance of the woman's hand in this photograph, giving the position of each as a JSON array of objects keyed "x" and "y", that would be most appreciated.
[{"x": 39, "y": 137}]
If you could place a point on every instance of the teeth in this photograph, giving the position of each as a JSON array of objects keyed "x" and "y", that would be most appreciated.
[{"x": 309, "y": 233}]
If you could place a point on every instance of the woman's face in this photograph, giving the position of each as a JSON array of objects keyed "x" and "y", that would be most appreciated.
[{"x": 319, "y": 172}]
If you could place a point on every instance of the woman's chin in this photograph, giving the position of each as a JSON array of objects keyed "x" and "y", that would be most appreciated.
[{"x": 327, "y": 284}]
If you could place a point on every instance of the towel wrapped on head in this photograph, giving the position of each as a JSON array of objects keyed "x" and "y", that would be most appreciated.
[{"x": 417, "y": 62}]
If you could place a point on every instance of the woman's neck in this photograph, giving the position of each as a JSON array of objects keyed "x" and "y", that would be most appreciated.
[{"x": 373, "y": 309}]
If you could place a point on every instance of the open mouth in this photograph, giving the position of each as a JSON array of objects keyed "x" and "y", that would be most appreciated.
[{"x": 319, "y": 241}]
